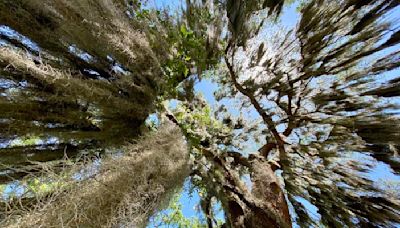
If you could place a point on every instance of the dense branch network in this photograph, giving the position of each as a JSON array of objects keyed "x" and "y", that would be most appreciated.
[{"x": 318, "y": 90}]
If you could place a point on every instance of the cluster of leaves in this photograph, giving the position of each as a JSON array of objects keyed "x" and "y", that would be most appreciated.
[
  {"x": 196, "y": 120},
  {"x": 173, "y": 216},
  {"x": 187, "y": 48},
  {"x": 187, "y": 43},
  {"x": 207, "y": 139}
]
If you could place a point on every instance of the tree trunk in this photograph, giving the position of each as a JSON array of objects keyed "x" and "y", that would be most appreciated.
[
  {"x": 267, "y": 190},
  {"x": 264, "y": 206}
]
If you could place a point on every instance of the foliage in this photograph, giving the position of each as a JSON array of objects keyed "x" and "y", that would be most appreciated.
[
  {"x": 309, "y": 86},
  {"x": 107, "y": 194},
  {"x": 174, "y": 217},
  {"x": 391, "y": 187},
  {"x": 197, "y": 122},
  {"x": 26, "y": 141},
  {"x": 65, "y": 84},
  {"x": 323, "y": 105}
]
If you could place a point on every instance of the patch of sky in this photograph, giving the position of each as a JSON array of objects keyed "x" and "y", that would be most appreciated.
[
  {"x": 92, "y": 72},
  {"x": 19, "y": 189},
  {"x": 173, "y": 103},
  {"x": 247, "y": 180},
  {"x": 164, "y": 4},
  {"x": 189, "y": 201},
  {"x": 10, "y": 88},
  {"x": 4, "y": 143},
  {"x": 52, "y": 140},
  {"x": 152, "y": 120},
  {"x": 311, "y": 209},
  {"x": 6, "y": 83},
  {"x": 207, "y": 88},
  {"x": 89, "y": 171},
  {"x": 290, "y": 15},
  {"x": 53, "y": 125},
  {"x": 379, "y": 171},
  {"x": 117, "y": 67},
  {"x": 23, "y": 83},
  {"x": 12, "y": 34},
  {"x": 376, "y": 171},
  {"x": 80, "y": 53},
  {"x": 13, "y": 189}
]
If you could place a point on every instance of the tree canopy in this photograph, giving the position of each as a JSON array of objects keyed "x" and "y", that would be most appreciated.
[{"x": 319, "y": 98}]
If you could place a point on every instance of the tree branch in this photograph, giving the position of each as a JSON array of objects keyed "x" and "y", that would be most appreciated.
[{"x": 266, "y": 118}]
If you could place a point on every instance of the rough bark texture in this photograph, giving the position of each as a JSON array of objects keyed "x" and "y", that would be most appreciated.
[
  {"x": 264, "y": 206},
  {"x": 267, "y": 190}
]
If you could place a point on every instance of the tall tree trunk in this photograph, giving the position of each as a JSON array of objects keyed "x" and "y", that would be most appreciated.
[
  {"x": 267, "y": 190},
  {"x": 264, "y": 206}
]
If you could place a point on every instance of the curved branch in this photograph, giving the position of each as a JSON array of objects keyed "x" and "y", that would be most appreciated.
[{"x": 265, "y": 116}]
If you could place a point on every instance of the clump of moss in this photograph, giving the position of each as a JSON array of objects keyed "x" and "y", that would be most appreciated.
[{"x": 125, "y": 191}]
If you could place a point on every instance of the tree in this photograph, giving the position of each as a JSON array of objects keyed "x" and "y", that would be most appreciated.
[
  {"x": 310, "y": 88},
  {"x": 316, "y": 89}
]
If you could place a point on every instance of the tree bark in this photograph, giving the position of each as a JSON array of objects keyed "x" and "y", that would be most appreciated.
[
  {"x": 267, "y": 190},
  {"x": 264, "y": 206}
]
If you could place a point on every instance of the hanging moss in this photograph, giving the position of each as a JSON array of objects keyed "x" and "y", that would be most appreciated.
[{"x": 125, "y": 191}]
